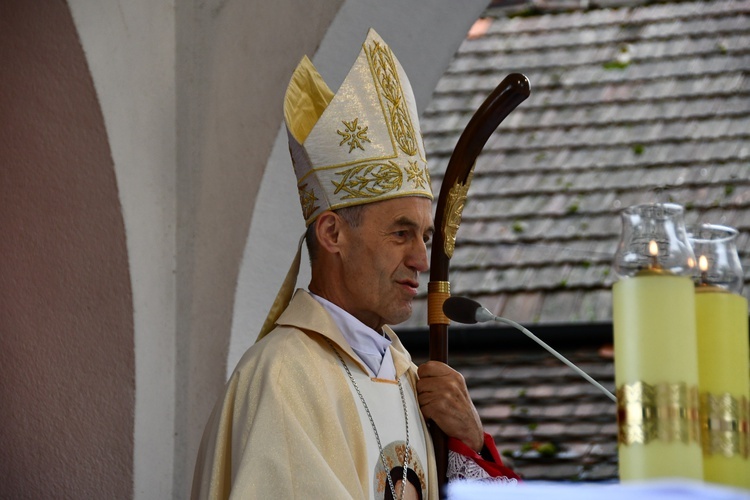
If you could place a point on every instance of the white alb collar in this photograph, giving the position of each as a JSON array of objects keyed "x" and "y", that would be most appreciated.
[{"x": 372, "y": 347}]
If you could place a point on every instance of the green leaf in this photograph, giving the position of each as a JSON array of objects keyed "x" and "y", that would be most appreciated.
[{"x": 615, "y": 65}]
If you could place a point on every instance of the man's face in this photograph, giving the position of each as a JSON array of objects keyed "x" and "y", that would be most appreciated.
[{"x": 383, "y": 258}]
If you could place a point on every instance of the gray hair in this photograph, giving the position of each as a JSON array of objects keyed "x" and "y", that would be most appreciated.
[{"x": 351, "y": 215}]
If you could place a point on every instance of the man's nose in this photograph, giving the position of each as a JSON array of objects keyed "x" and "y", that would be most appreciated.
[{"x": 418, "y": 259}]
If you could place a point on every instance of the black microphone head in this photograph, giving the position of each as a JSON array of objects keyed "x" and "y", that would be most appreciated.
[{"x": 461, "y": 309}]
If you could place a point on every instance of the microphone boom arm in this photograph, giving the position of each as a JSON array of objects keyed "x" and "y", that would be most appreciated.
[
  {"x": 487, "y": 314},
  {"x": 468, "y": 311}
]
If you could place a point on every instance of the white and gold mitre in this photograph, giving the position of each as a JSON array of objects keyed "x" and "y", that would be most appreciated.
[{"x": 362, "y": 144}]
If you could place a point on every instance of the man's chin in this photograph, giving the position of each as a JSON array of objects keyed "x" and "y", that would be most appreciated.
[{"x": 401, "y": 316}]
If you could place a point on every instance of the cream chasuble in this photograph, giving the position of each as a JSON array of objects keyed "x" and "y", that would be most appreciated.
[{"x": 289, "y": 426}]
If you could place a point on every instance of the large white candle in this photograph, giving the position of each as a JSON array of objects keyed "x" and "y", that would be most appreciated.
[
  {"x": 656, "y": 359},
  {"x": 723, "y": 356},
  {"x": 656, "y": 374},
  {"x": 724, "y": 384}
]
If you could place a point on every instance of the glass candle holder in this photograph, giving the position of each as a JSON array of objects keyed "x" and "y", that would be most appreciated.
[
  {"x": 715, "y": 247},
  {"x": 654, "y": 239},
  {"x": 723, "y": 355},
  {"x": 656, "y": 359}
]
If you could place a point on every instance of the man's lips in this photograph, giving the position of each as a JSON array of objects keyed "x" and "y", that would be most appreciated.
[{"x": 410, "y": 285}]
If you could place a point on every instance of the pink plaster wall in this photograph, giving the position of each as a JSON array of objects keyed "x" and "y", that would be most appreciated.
[{"x": 67, "y": 379}]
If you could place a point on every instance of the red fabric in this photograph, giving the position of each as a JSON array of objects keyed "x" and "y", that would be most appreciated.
[{"x": 494, "y": 468}]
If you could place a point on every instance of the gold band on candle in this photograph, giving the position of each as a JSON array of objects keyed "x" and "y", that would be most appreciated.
[
  {"x": 437, "y": 293},
  {"x": 724, "y": 425},
  {"x": 667, "y": 412}
]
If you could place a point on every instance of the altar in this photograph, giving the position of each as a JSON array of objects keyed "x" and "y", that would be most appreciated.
[{"x": 647, "y": 490}]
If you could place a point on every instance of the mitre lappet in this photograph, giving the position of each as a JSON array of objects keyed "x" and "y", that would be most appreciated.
[{"x": 360, "y": 145}]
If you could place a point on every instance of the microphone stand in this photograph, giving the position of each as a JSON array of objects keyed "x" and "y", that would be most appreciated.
[{"x": 511, "y": 92}]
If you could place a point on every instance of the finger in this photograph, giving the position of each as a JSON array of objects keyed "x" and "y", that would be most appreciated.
[
  {"x": 429, "y": 398},
  {"x": 451, "y": 383},
  {"x": 434, "y": 369},
  {"x": 439, "y": 388}
]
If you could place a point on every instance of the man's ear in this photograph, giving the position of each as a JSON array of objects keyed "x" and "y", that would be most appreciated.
[{"x": 329, "y": 229}]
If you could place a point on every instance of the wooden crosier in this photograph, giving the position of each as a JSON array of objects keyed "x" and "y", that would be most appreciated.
[{"x": 511, "y": 92}]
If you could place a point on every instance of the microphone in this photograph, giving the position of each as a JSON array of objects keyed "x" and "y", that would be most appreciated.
[{"x": 467, "y": 311}]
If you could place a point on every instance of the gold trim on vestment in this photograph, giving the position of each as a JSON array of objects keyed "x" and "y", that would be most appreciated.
[{"x": 384, "y": 380}]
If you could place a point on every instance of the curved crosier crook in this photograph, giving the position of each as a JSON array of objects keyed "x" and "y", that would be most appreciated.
[{"x": 511, "y": 92}]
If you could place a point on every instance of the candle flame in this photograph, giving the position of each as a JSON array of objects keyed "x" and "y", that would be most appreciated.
[
  {"x": 703, "y": 263},
  {"x": 653, "y": 248},
  {"x": 691, "y": 262}
]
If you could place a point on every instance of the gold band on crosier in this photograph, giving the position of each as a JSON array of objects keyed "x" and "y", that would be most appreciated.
[
  {"x": 666, "y": 412},
  {"x": 437, "y": 293},
  {"x": 724, "y": 425}
]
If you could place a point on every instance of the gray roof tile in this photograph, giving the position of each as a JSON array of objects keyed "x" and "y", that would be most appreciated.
[{"x": 673, "y": 124}]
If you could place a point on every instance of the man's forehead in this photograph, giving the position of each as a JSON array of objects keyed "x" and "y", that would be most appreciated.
[{"x": 405, "y": 210}]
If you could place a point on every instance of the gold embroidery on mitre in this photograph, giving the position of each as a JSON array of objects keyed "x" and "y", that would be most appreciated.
[
  {"x": 307, "y": 199},
  {"x": 385, "y": 72},
  {"x": 667, "y": 412},
  {"x": 724, "y": 425},
  {"x": 354, "y": 135},
  {"x": 369, "y": 180},
  {"x": 454, "y": 208},
  {"x": 419, "y": 177}
]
